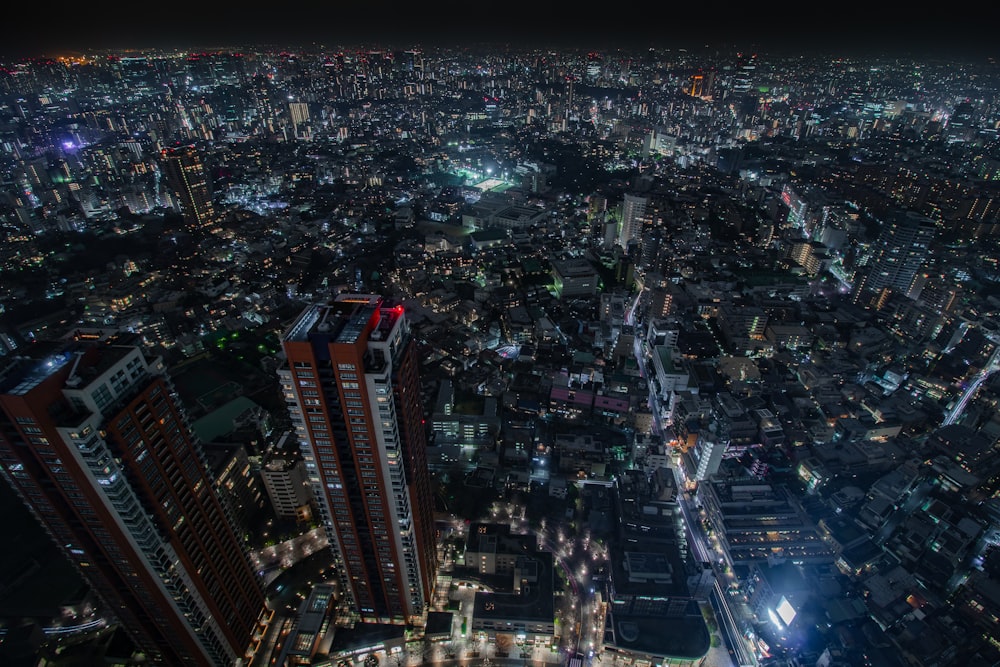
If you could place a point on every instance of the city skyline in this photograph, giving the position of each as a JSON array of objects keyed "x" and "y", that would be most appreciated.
[{"x": 712, "y": 333}]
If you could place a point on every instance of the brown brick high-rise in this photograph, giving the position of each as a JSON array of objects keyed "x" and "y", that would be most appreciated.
[
  {"x": 352, "y": 389},
  {"x": 95, "y": 441}
]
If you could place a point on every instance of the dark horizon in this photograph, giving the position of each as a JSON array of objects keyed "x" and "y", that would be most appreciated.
[{"x": 781, "y": 30}]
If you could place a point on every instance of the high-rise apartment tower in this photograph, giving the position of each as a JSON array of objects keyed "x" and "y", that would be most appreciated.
[
  {"x": 299, "y": 112},
  {"x": 903, "y": 247},
  {"x": 352, "y": 389},
  {"x": 187, "y": 176},
  {"x": 96, "y": 443},
  {"x": 633, "y": 217}
]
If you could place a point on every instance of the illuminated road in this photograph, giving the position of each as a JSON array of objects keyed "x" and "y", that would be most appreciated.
[
  {"x": 271, "y": 561},
  {"x": 730, "y": 630},
  {"x": 731, "y": 624},
  {"x": 970, "y": 391}
]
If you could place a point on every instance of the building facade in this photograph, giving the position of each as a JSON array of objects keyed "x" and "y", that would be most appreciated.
[
  {"x": 96, "y": 443},
  {"x": 759, "y": 522},
  {"x": 352, "y": 389},
  {"x": 902, "y": 249},
  {"x": 633, "y": 217},
  {"x": 574, "y": 277},
  {"x": 187, "y": 176},
  {"x": 287, "y": 486}
]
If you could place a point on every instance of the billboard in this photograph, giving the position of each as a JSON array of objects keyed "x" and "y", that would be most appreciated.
[{"x": 785, "y": 611}]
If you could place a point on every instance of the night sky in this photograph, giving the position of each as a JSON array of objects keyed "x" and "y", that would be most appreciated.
[{"x": 32, "y": 29}]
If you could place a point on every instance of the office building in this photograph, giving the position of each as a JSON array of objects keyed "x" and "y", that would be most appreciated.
[
  {"x": 759, "y": 522},
  {"x": 744, "y": 73},
  {"x": 351, "y": 384},
  {"x": 701, "y": 84},
  {"x": 95, "y": 442},
  {"x": 574, "y": 277}
]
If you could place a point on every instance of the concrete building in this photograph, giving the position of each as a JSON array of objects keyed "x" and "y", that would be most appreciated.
[{"x": 287, "y": 485}]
